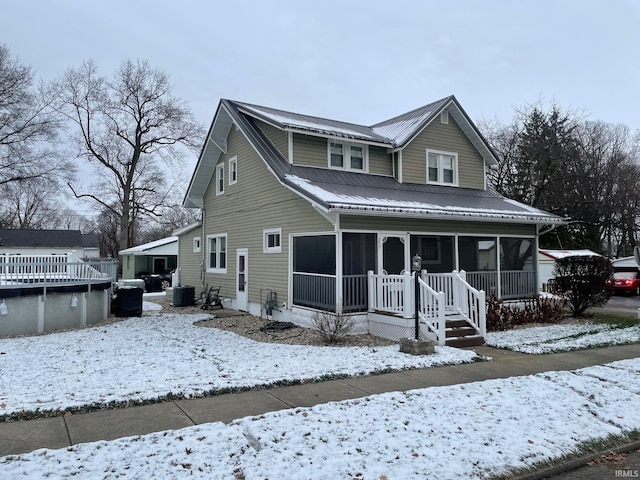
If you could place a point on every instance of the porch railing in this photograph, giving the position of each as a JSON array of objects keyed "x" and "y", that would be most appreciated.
[
  {"x": 517, "y": 283},
  {"x": 469, "y": 302},
  {"x": 354, "y": 293},
  {"x": 391, "y": 294},
  {"x": 314, "y": 290},
  {"x": 432, "y": 311}
]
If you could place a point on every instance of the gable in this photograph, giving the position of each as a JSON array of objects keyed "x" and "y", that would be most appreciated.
[{"x": 443, "y": 137}]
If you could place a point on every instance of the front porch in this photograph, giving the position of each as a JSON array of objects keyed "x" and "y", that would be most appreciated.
[{"x": 364, "y": 272}]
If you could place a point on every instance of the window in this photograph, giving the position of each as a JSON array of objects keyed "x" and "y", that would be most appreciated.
[
  {"x": 233, "y": 170},
  {"x": 349, "y": 156},
  {"x": 442, "y": 167},
  {"x": 196, "y": 244},
  {"x": 220, "y": 179},
  {"x": 272, "y": 240},
  {"x": 217, "y": 253}
]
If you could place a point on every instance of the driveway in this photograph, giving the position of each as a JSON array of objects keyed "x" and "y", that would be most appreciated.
[{"x": 622, "y": 304}]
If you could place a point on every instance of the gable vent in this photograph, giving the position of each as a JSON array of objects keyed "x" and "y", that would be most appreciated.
[{"x": 444, "y": 117}]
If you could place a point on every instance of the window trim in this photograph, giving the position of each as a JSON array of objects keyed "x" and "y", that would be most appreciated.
[
  {"x": 346, "y": 155},
  {"x": 197, "y": 244},
  {"x": 217, "y": 253},
  {"x": 233, "y": 170},
  {"x": 265, "y": 240},
  {"x": 220, "y": 178},
  {"x": 440, "y": 180}
]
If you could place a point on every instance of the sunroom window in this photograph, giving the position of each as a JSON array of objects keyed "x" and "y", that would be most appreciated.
[
  {"x": 347, "y": 155},
  {"x": 442, "y": 167}
]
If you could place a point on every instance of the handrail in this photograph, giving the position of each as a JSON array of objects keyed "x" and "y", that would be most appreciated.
[
  {"x": 469, "y": 302},
  {"x": 432, "y": 311}
]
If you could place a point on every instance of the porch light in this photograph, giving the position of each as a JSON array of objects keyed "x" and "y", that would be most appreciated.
[
  {"x": 416, "y": 263},
  {"x": 3, "y": 308},
  {"x": 74, "y": 301}
]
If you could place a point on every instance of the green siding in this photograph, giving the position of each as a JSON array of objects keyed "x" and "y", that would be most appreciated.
[
  {"x": 380, "y": 161},
  {"x": 278, "y": 137},
  {"x": 257, "y": 202},
  {"x": 189, "y": 261},
  {"x": 310, "y": 151},
  {"x": 447, "y": 137},
  {"x": 417, "y": 225}
]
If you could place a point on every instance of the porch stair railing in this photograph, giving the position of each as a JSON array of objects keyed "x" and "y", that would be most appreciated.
[
  {"x": 446, "y": 300},
  {"x": 463, "y": 300}
]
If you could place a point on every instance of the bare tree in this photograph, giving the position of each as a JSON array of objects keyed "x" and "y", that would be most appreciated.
[
  {"x": 27, "y": 127},
  {"x": 129, "y": 128}
]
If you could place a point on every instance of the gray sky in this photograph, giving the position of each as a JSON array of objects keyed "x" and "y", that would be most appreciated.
[{"x": 357, "y": 61}]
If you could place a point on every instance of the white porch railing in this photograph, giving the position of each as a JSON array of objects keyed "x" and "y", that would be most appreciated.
[
  {"x": 439, "y": 294},
  {"x": 432, "y": 311},
  {"x": 391, "y": 294}
]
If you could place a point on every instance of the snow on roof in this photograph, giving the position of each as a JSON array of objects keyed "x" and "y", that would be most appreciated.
[
  {"x": 145, "y": 247},
  {"x": 316, "y": 124},
  {"x": 558, "y": 254},
  {"x": 416, "y": 202},
  {"x": 624, "y": 262},
  {"x": 401, "y": 128}
]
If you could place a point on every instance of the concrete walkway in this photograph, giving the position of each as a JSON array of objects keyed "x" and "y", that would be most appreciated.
[{"x": 59, "y": 432}]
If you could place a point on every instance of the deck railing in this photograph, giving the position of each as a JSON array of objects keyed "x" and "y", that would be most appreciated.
[{"x": 53, "y": 270}]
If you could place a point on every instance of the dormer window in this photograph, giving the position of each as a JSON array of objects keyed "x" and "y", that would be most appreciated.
[
  {"x": 442, "y": 167},
  {"x": 348, "y": 155}
]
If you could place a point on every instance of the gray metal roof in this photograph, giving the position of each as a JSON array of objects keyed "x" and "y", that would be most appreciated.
[
  {"x": 341, "y": 191},
  {"x": 358, "y": 193}
]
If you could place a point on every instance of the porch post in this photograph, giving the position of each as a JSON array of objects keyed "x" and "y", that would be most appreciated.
[
  {"x": 371, "y": 294},
  {"x": 339, "y": 294},
  {"x": 408, "y": 295}
]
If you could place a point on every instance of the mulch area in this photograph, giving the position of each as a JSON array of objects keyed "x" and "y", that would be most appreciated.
[{"x": 261, "y": 329}]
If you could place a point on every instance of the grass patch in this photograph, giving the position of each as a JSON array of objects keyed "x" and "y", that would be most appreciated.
[
  {"x": 615, "y": 321},
  {"x": 583, "y": 453}
]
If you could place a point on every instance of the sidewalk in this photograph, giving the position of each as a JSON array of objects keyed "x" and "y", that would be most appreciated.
[{"x": 59, "y": 432}]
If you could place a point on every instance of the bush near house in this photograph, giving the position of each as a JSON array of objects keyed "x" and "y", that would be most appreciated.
[
  {"x": 582, "y": 282},
  {"x": 506, "y": 316}
]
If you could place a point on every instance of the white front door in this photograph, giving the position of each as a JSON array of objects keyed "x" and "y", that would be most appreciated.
[
  {"x": 242, "y": 286},
  {"x": 393, "y": 251}
]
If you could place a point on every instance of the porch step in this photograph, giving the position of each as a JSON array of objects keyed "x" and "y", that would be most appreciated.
[
  {"x": 459, "y": 333},
  {"x": 471, "y": 341}
]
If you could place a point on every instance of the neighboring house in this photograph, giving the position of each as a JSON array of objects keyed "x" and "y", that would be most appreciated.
[
  {"x": 153, "y": 257},
  {"x": 547, "y": 262},
  {"x": 70, "y": 243},
  {"x": 625, "y": 264},
  {"x": 300, "y": 209}
]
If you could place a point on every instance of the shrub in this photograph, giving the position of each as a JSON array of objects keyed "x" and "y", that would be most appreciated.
[
  {"x": 333, "y": 327},
  {"x": 538, "y": 309},
  {"x": 581, "y": 281}
]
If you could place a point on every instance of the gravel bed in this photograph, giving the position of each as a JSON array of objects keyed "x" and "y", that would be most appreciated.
[{"x": 263, "y": 330}]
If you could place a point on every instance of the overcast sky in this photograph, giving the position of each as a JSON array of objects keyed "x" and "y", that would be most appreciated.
[{"x": 357, "y": 61}]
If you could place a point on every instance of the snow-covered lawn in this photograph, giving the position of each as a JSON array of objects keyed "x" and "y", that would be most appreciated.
[
  {"x": 560, "y": 338},
  {"x": 152, "y": 356},
  {"x": 466, "y": 431}
]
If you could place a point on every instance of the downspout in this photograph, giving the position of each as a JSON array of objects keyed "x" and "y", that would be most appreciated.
[{"x": 203, "y": 248}]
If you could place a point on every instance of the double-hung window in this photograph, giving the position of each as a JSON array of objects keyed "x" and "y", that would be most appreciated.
[
  {"x": 220, "y": 179},
  {"x": 442, "y": 167},
  {"x": 347, "y": 155},
  {"x": 217, "y": 253},
  {"x": 233, "y": 170}
]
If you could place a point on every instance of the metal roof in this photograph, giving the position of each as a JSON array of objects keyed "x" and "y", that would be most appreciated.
[
  {"x": 167, "y": 245},
  {"x": 358, "y": 193},
  {"x": 348, "y": 192}
]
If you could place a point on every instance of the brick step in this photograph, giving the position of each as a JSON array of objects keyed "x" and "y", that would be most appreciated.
[{"x": 470, "y": 341}]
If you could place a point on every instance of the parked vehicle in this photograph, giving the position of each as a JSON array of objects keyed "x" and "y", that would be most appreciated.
[
  {"x": 625, "y": 282},
  {"x": 157, "y": 282}
]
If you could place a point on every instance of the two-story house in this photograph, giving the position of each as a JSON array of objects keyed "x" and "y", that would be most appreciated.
[{"x": 300, "y": 209}]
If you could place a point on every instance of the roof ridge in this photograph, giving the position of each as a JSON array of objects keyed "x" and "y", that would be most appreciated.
[{"x": 406, "y": 114}]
